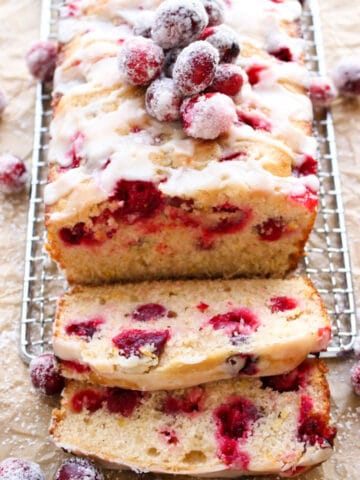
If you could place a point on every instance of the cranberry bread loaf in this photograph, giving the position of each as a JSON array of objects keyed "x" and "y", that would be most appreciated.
[
  {"x": 175, "y": 334},
  {"x": 131, "y": 197},
  {"x": 275, "y": 425}
]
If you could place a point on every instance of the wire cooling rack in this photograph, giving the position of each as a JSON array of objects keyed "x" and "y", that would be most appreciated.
[{"x": 327, "y": 261}]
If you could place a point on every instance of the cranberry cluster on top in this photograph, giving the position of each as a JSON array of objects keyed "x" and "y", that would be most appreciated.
[{"x": 184, "y": 55}]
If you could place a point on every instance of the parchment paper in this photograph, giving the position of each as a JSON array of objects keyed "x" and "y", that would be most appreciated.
[{"x": 24, "y": 417}]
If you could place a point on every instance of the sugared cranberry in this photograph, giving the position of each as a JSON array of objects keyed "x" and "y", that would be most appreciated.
[
  {"x": 240, "y": 321},
  {"x": 122, "y": 401},
  {"x": 195, "y": 67},
  {"x": 130, "y": 342},
  {"x": 44, "y": 376},
  {"x": 208, "y": 116},
  {"x": 235, "y": 418},
  {"x": 85, "y": 329},
  {"x": 272, "y": 229},
  {"x": 178, "y": 22},
  {"x": 78, "y": 469},
  {"x": 254, "y": 73},
  {"x": 89, "y": 398},
  {"x": 282, "y": 53},
  {"x": 3, "y": 101},
  {"x": 346, "y": 76},
  {"x": 139, "y": 200},
  {"x": 191, "y": 402},
  {"x": 215, "y": 10},
  {"x": 308, "y": 165},
  {"x": 355, "y": 378},
  {"x": 79, "y": 234},
  {"x": 163, "y": 100},
  {"x": 322, "y": 91},
  {"x": 225, "y": 40},
  {"x": 281, "y": 304},
  {"x": 19, "y": 469},
  {"x": 140, "y": 60},
  {"x": 41, "y": 60},
  {"x": 169, "y": 62},
  {"x": 148, "y": 311},
  {"x": 143, "y": 22},
  {"x": 255, "y": 120},
  {"x": 228, "y": 79},
  {"x": 13, "y": 174}
]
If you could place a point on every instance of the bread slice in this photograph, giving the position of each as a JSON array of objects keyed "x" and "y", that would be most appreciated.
[
  {"x": 274, "y": 425},
  {"x": 176, "y": 334}
]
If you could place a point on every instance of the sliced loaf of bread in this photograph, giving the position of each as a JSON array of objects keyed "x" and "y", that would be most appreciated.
[
  {"x": 274, "y": 425},
  {"x": 176, "y": 334}
]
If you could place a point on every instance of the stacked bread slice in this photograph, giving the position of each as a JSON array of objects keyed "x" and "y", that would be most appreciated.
[{"x": 173, "y": 374}]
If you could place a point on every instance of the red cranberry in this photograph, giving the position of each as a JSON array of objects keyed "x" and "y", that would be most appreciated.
[
  {"x": 191, "y": 402},
  {"x": 240, "y": 321},
  {"x": 346, "y": 76},
  {"x": 140, "y": 60},
  {"x": 225, "y": 40},
  {"x": 44, "y": 376},
  {"x": 13, "y": 174},
  {"x": 313, "y": 427},
  {"x": 281, "y": 304},
  {"x": 122, "y": 401},
  {"x": 322, "y": 92},
  {"x": 272, "y": 229},
  {"x": 233, "y": 156},
  {"x": 149, "y": 311},
  {"x": 74, "y": 155},
  {"x": 195, "y": 67},
  {"x": 77, "y": 235},
  {"x": 3, "y": 101},
  {"x": 308, "y": 166},
  {"x": 288, "y": 382},
  {"x": 163, "y": 100},
  {"x": 178, "y": 22},
  {"x": 41, "y": 60},
  {"x": 169, "y": 62},
  {"x": 90, "y": 399},
  {"x": 19, "y": 469},
  {"x": 255, "y": 120},
  {"x": 355, "y": 378},
  {"x": 202, "y": 306},
  {"x": 75, "y": 366},
  {"x": 215, "y": 10},
  {"x": 254, "y": 73},
  {"x": 208, "y": 116},
  {"x": 228, "y": 79},
  {"x": 130, "y": 342},
  {"x": 169, "y": 436},
  {"x": 235, "y": 418},
  {"x": 85, "y": 329},
  {"x": 308, "y": 199},
  {"x": 282, "y": 53},
  {"x": 78, "y": 469}
]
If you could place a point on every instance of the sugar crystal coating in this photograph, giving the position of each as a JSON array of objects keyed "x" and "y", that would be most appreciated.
[
  {"x": 44, "y": 376},
  {"x": 346, "y": 76},
  {"x": 163, "y": 100},
  {"x": 215, "y": 10},
  {"x": 225, "y": 40},
  {"x": 228, "y": 79},
  {"x": 41, "y": 60},
  {"x": 78, "y": 469},
  {"x": 13, "y": 173},
  {"x": 178, "y": 22},
  {"x": 19, "y": 469}
]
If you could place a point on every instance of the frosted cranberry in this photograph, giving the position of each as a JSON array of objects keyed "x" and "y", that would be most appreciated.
[
  {"x": 322, "y": 91},
  {"x": 163, "y": 100},
  {"x": 282, "y": 53},
  {"x": 122, "y": 401},
  {"x": 272, "y": 229},
  {"x": 178, "y": 22},
  {"x": 228, "y": 79},
  {"x": 149, "y": 311},
  {"x": 3, "y": 101},
  {"x": 215, "y": 10},
  {"x": 130, "y": 342},
  {"x": 240, "y": 321},
  {"x": 143, "y": 24},
  {"x": 255, "y": 120},
  {"x": 44, "y": 376},
  {"x": 169, "y": 62},
  {"x": 202, "y": 306},
  {"x": 281, "y": 304},
  {"x": 78, "y": 469},
  {"x": 13, "y": 174},
  {"x": 346, "y": 76},
  {"x": 140, "y": 60},
  {"x": 41, "y": 60},
  {"x": 85, "y": 329},
  {"x": 19, "y": 469},
  {"x": 254, "y": 73},
  {"x": 308, "y": 166},
  {"x": 77, "y": 235},
  {"x": 355, "y": 378},
  {"x": 139, "y": 200},
  {"x": 191, "y": 402},
  {"x": 208, "y": 116},
  {"x": 90, "y": 399},
  {"x": 313, "y": 427},
  {"x": 195, "y": 67},
  {"x": 235, "y": 418},
  {"x": 225, "y": 40}
]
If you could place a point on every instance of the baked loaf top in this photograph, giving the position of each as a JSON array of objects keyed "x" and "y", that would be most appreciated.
[
  {"x": 175, "y": 334},
  {"x": 235, "y": 427},
  {"x": 101, "y": 132}
]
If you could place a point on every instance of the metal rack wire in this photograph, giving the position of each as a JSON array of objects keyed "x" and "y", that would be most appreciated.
[{"x": 327, "y": 261}]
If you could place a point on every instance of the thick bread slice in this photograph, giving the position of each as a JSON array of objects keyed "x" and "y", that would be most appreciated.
[
  {"x": 176, "y": 334},
  {"x": 275, "y": 425}
]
